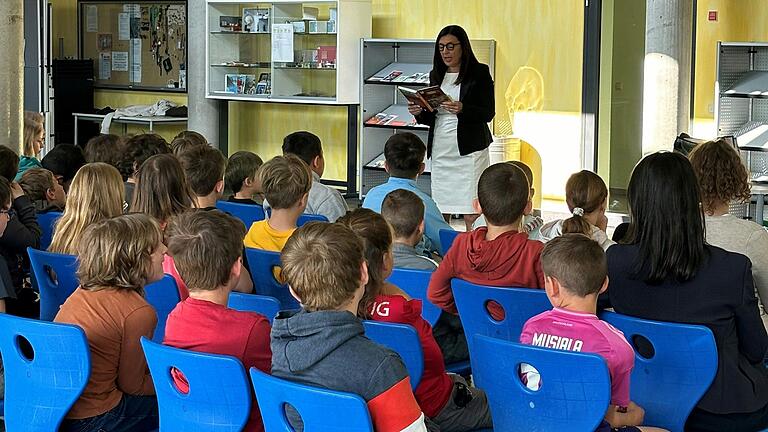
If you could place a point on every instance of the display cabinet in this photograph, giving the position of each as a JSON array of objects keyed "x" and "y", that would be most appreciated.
[
  {"x": 385, "y": 65},
  {"x": 286, "y": 51}
]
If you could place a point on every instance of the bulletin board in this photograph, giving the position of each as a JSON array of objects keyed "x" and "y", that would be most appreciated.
[{"x": 138, "y": 45}]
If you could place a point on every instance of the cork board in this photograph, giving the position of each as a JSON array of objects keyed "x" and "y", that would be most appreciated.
[{"x": 139, "y": 45}]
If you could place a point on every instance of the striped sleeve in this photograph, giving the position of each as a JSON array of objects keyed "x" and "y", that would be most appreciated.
[{"x": 396, "y": 410}]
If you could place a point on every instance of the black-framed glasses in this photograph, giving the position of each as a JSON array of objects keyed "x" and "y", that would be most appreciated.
[{"x": 447, "y": 47}]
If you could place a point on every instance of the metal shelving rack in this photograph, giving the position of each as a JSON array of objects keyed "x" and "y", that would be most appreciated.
[{"x": 379, "y": 58}]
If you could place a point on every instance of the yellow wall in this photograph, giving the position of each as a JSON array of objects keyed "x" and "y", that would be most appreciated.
[
  {"x": 538, "y": 70},
  {"x": 738, "y": 21}
]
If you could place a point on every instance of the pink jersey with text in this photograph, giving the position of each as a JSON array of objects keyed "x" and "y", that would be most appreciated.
[{"x": 584, "y": 332}]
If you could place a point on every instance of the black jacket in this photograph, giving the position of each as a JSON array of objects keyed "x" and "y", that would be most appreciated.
[
  {"x": 479, "y": 108},
  {"x": 722, "y": 297},
  {"x": 22, "y": 231}
]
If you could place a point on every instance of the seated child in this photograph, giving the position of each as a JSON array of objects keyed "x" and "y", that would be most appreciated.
[
  {"x": 286, "y": 182},
  {"x": 117, "y": 257},
  {"x": 64, "y": 161},
  {"x": 404, "y": 211},
  {"x": 34, "y": 139},
  {"x": 447, "y": 400},
  {"x": 575, "y": 274},
  {"x": 241, "y": 177},
  {"x": 133, "y": 151},
  {"x": 7, "y": 290},
  {"x": 587, "y": 199},
  {"x": 324, "y": 344},
  {"x": 102, "y": 148},
  {"x": 323, "y": 200},
  {"x": 496, "y": 255},
  {"x": 531, "y": 223},
  {"x": 197, "y": 322},
  {"x": 187, "y": 139},
  {"x": 404, "y": 161},
  {"x": 204, "y": 169},
  {"x": 43, "y": 190}
]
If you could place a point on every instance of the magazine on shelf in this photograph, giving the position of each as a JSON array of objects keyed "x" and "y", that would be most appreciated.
[
  {"x": 428, "y": 98},
  {"x": 385, "y": 119}
]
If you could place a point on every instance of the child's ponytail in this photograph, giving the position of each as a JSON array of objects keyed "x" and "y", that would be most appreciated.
[{"x": 585, "y": 192}]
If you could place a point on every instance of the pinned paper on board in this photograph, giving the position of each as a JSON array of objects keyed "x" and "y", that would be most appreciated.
[
  {"x": 120, "y": 61},
  {"x": 135, "y": 60},
  {"x": 105, "y": 66},
  {"x": 124, "y": 26},
  {"x": 91, "y": 19}
]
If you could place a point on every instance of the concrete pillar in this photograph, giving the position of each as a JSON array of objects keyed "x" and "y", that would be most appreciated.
[
  {"x": 203, "y": 113},
  {"x": 667, "y": 72},
  {"x": 12, "y": 73}
]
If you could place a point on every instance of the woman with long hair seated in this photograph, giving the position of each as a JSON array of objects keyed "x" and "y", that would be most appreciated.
[
  {"x": 666, "y": 271},
  {"x": 117, "y": 258},
  {"x": 96, "y": 194}
]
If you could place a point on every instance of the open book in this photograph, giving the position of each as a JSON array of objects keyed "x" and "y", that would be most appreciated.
[{"x": 428, "y": 98}]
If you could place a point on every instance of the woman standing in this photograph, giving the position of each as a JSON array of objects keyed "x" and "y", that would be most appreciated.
[{"x": 459, "y": 135}]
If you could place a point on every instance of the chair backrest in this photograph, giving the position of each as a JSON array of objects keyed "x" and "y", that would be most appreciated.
[
  {"x": 163, "y": 295},
  {"x": 415, "y": 283},
  {"x": 306, "y": 217},
  {"x": 47, "y": 221},
  {"x": 265, "y": 305},
  {"x": 248, "y": 213},
  {"x": 320, "y": 409},
  {"x": 574, "y": 394},
  {"x": 53, "y": 293},
  {"x": 43, "y": 382},
  {"x": 262, "y": 264},
  {"x": 519, "y": 305},
  {"x": 402, "y": 339},
  {"x": 669, "y": 384},
  {"x": 219, "y": 397},
  {"x": 447, "y": 236}
]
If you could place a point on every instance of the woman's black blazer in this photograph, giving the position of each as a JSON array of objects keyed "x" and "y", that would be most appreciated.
[{"x": 479, "y": 108}]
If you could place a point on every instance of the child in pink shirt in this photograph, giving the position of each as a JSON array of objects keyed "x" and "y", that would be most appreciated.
[{"x": 575, "y": 273}]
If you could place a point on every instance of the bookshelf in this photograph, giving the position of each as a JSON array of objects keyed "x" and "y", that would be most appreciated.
[{"x": 386, "y": 64}]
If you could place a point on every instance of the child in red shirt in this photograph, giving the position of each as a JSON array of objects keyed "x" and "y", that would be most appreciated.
[
  {"x": 207, "y": 251},
  {"x": 445, "y": 399}
]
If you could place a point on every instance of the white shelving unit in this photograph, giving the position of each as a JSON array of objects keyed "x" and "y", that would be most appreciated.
[
  {"x": 306, "y": 79},
  {"x": 378, "y": 95}
]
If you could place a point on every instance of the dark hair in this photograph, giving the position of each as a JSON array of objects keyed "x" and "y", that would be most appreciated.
[
  {"x": 303, "y": 144},
  {"x": 5, "y": 191},
  {"x": 587, "y": 191},
  {"x": 721, "y": 173},
  {"x": 667, "y": 221},
  {"x": 404, "y": 153},
  {"x": 404, "y": 210},
  {"x": 376, "y": 237},
  {"x": 577, "y": 262},
  {"x": 102, "y": 148},
  {"x": 9, "y": 163},
  {"x": 503, "y": 193},
  {"x": 242, "y": 165},
  {"x": 161, "y": 190},
  {"x": 467, "y": 55},
  {"x": 203, "y": 167},
  {"x": 204, "y": 246},
  {"x": 64, "y": 160},
  {"x": 36, "y": 182},
  {"x": 190, "y": 135},
  {"x": 134, "y": 150}
]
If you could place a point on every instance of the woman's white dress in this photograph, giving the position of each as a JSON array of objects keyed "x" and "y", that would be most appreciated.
[{"x": 454, "y": 177}]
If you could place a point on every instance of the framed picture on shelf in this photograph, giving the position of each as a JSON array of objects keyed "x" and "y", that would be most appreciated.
[
  {"x": 250, "y": 84},
  {"x": 230, "y": 83},
  {"x": 255, "y": 20}
]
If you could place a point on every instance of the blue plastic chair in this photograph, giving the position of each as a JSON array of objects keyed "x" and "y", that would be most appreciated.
[
  {"x": 47, "y": 222},
  {"x": 574, "y": 394},
  {"x": 53, "y": 293},
  {"x": 264, "y": 305},
  {"x": 306, "y": 218},
  {"x": 320, "y": 409},
  {"x": 262, "y": 263},
  {"x": 669, "y": 385},
  {"x": 163, "y": 295},
  {"x": 519, "y": 305},
  {"x": 447, "y": 236},
  {"x": 39, "y": 391},
  {"x": 248, "y": 213},
  {"x": 402, "y": 339},
  {"x": 219, "y": 397},
  {"x": 415, "y": 284}
]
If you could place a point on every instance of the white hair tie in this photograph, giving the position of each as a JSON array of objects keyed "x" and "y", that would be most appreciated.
[{"x": 578, "y": 211}]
